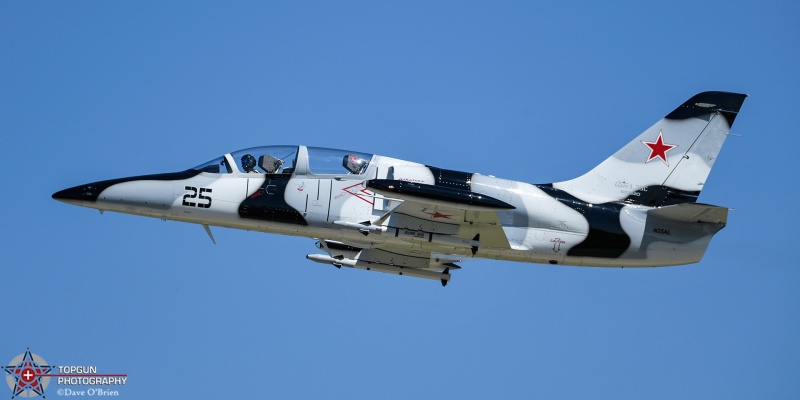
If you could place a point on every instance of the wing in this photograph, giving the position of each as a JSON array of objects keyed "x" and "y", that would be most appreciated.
[
  {"x": 425, "y": 232},
  {"x": 446, "y": 216}
]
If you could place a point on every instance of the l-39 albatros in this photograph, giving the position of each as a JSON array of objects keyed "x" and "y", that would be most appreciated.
[{"x": 638, "y": 208}]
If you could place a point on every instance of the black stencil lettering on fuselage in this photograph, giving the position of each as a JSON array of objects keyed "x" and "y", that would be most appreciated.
[
  {"x": 606, "y": 239},
  {"x": 268, "y": 202},
  {"x": 659, "y": 196}
]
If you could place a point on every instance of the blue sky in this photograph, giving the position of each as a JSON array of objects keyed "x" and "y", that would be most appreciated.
[{"x": 94, "y": 90}]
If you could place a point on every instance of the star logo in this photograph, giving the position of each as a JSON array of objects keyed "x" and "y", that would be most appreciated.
[
  {"x": 659, "y": 149},
  {"x": 27, "y": 375},
  {"x": 437, "y": 214}
]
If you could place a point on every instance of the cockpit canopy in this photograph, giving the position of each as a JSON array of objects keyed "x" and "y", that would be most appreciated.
[
  {"x": 285, "y": 160},
  {"x": 324, "y": 161}
]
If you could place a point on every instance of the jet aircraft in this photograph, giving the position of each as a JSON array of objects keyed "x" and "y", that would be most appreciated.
[{"x": 638, "y": 208}]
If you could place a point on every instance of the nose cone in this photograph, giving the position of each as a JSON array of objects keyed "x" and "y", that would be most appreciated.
[
  {"x": 77, "y": 195},
  {"x": 145, "y": 190}
]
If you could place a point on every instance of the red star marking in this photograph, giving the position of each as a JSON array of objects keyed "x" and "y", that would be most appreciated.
[
  {"x": 437, "y": 214},
  {"x": 658, "y": 149}
]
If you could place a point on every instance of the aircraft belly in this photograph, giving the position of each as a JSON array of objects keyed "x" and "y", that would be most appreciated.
[{"x": 536, "y": 243}]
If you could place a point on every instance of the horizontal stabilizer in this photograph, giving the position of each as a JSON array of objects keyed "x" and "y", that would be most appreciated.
[{"x": 692, "y": 212}]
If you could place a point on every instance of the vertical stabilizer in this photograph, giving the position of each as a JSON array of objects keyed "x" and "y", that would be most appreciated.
[{"x": 669, "y": 162}]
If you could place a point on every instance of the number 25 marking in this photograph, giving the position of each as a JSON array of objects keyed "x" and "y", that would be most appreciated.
[{"x": 197, "y": 195}]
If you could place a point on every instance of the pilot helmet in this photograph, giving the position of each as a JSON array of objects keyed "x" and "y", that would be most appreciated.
[{"x": 248, "y": 162}]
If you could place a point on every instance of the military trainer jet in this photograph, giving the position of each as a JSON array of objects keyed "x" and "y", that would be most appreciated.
[{"x": 636, "y": 209}]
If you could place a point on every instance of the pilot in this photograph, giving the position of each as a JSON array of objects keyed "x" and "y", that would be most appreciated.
[{"x": 249, "y": 164}]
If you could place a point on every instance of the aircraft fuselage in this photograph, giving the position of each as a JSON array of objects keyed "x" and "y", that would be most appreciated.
[
  {"x": 543, "y": 224},
  {"x": 636, "y": 209}
]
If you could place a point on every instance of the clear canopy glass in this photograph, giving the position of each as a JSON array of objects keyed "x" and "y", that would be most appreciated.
[
  {"x": 283, "y": 160},
  {"x": 323, "y": 161}
]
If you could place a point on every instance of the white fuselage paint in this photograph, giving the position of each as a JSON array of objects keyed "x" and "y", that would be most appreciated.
[
  {"x": 635, "y": 209},
  {"x": 541, "y": 229}
]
